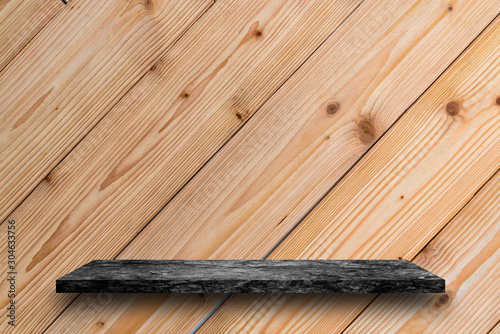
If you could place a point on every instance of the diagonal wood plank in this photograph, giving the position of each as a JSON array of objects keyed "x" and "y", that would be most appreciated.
[
  {"x": 242, "y": 195},
  {"x": 20, "y": 21},
  {"x": 467, "y": 254},
  {"x": 62, "y": 83},
  {"x": 149, "y": 145},
  {"x": 396, "y": 199}
]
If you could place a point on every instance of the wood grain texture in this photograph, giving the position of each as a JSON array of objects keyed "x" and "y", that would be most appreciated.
[
  {"x": 20, "y": 21},
  {"x": 292, "y": 151},
  {"x": 393, "y": 202},
  {"x": 71, "y": 74},
  {"x": 150, "y": 144},
  {"x": 250, "y": 276},
  {"x": 467, "y": 254}
]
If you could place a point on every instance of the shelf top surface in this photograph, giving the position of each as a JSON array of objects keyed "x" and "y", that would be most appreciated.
[{"x": 230, "y": 270}]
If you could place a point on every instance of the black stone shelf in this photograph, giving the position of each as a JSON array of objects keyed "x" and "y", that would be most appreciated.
[{"x": 250, "y": 276}]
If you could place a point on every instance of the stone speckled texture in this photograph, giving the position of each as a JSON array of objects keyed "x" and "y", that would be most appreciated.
[{"x": 250, "y": 276}]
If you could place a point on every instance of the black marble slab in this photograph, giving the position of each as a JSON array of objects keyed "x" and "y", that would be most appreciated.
[{"x": 250, "y": 276}]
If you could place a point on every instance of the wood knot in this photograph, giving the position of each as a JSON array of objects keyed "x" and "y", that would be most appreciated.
[
  {"x": 238, "y": 107},
  {"x": 153, "y": 68},
  {"x": 402, "y": 197},
  {"x": 498, "y": 101},
  {"x": 258, "y": 33},
  {"x": 100, "y": 324},
  {"x": 450, "y": 8},
  {"x": 452, "y": 108},
  {"x": 242, "y": 115},
  {"x": 366, "y": 131},
  {"x": 442, "y": 299},
  {"x": 184, "y": 95},
  {"x": 332, "y": 108}
]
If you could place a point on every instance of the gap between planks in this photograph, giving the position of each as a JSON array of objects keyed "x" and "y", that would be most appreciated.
[
  {"x": 49, "y": 175},
  {"x": 22, "y": 24}
]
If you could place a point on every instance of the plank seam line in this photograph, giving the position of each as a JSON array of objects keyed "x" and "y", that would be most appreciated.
[
  {"x": 492, "y": 328},
  {"x": 99, "y": 121},
  {"x": 29, "y": 41},
  {"x": 204, "y": 320},
  {"x": 431, "y": 240}
]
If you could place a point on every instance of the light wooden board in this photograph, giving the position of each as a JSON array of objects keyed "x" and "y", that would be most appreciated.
[
  {"x": 218, "y": 213},
  {"x": 149, "y": 145},
  {"x": 69, "y": 76},
  {"x": 467, "y": 254},
  {"x": 20, "y": 21},
  {"x": 395, "y": 200}
]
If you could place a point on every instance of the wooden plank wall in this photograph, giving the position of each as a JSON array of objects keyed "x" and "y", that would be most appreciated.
[
  {"x": 466, "y": 254},
  {"x": 20, "y": 21},
  {"x": 70, "y": 75},
  {"x": 115, "y": 180},
  {"x": 225, "y": 210},
  {"x": 389, "y": 206},
  {"x": 181, "y": 138},
  {"x": 496, "y": 329}
]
